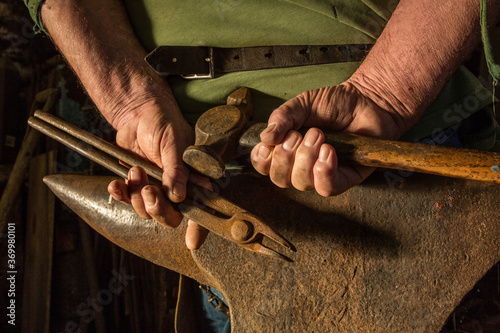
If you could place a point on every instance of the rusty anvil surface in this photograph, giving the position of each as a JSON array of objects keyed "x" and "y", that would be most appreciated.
[{"x": 374, "y": 259}]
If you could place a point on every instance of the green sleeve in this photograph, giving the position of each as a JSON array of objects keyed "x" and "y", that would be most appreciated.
[{"x": 34, "y": 7}]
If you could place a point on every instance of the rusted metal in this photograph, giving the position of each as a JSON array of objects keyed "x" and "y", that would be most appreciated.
[
  {"x": 216, "y": 131},
  {"x": 87, "y": 196},
  {"x": 376, "y": 258},
  {"x": 69, "y": 132},
  {"x": 14, "y": 184},
  {"x": 221, "y": 135},
  {"x": 230, "y": 227},
  {"x": 200, "y": 198}
]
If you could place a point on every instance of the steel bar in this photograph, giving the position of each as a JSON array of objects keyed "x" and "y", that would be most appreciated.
[
  {"x": 108, "y": 148},
  {"x": 70, "y": 135},
  {"x": 80, "y": 147}
]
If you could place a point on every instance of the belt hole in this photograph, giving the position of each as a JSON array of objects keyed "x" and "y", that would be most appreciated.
[
  {"x": 269, "y": 54},
  {"x": 174, "y": 59},
  {"x": 323, "y": 49},
  {"x": 236, "y": 57},
  {"x": 304, "y": 51}
]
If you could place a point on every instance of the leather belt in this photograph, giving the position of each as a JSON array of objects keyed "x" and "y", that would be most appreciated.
[{"x": 193, "y": 62}]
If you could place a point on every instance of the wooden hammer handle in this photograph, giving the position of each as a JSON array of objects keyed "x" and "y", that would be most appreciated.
[{"x": 444, "y": 161}]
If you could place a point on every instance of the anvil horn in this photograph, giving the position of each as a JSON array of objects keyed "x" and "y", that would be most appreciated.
[{"x": 88, "y": 197}]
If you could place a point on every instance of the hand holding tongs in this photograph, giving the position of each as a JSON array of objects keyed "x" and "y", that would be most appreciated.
[{"x": 229, "y": 220}]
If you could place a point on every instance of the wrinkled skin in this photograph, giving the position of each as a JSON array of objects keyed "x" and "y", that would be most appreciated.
[{"x": 307, "y": 162}]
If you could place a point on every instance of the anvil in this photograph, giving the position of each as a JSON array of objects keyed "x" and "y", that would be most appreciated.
[{"x": 377, "y": 258}]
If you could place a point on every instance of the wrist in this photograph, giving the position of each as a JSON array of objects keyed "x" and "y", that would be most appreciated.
[
  {"x": 130, "y": 92},
  {"x": 392, "y": 103}
]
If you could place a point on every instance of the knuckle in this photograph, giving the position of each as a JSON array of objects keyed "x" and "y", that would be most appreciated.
[
  {"x": 326, "y": 193},
  {"x": 303, "y": 186},
  {"x": 323, "y": 169},
  {"x": 302, "y": 183},
  {"x": 282, "y": 115},
  {"x": 154, "y": 210},
  {"x": 260, "y": 169},
  {"x": 280, "y": 179}
]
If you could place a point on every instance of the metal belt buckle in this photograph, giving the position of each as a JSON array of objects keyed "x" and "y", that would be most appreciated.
[
  {"x": 189, "y": 62},
  {"x": 210, "y": 68}
]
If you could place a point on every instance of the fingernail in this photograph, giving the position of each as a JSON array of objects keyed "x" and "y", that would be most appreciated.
[
  {"x": 324, "y": 154},
  {"x": 179, "y": 190},
  {"x": 149, "y": 197},
  {"x": 311, "y": 138},
  {"x": 290, "y": 142},
  {"x": 264, "y": 152},
  {"x": 135, "y": 176},
  {"x": 269, "y": 128}
]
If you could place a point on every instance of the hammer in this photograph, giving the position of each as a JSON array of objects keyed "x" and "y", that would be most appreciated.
[{"x": 224, "y": 132}]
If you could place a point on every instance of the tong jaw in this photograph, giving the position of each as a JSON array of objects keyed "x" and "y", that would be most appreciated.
[
  {"x": 236, "y": 225},
  {"x": 248, "y": 231}
]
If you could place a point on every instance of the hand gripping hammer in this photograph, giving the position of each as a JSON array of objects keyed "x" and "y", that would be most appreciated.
[{"x": 224, "y": 131}]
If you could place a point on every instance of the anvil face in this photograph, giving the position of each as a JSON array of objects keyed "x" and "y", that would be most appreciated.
[{"x": 377, "y": 258}]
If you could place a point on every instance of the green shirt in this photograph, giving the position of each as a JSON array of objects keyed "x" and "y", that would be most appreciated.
[{"x": 237, "y": 23}]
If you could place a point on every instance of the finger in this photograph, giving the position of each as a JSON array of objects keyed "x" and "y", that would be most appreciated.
[
  {"x": 261, "y": 157},
  {"x": 325, "y": 171},
  {"x": 119, "y": 191},
  {"x": 137, "y": 179},
  {"x": 175, "y": 175},
  {"x": 282, "y": 160},
  {"x": 158, "y": 207},
  {"x": 195, "y": 235},
  {"x": 200, "y": 180},
  {"x": 305, "y": 157},
  {"x": 290, "y": 115}
]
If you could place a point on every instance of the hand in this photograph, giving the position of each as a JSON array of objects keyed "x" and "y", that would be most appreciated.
[
  {"x": 309, "y": 163},
  {"x": 161, "y": 139},
  {"x": 131, "y": 96}
]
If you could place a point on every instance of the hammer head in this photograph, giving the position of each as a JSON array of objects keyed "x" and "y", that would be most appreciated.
[{"x": 217, "y": 132}]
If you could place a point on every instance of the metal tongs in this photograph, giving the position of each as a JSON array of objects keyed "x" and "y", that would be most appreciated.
[{"x": 228, "y": 220}]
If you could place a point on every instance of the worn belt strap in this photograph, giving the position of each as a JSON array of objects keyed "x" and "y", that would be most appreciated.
[{"x": 204, "y": 62}]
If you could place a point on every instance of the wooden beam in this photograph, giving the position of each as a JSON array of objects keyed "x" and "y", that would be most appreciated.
[{"x": 39, "y": 245}]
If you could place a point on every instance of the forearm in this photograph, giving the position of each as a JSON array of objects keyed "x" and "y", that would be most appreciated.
[
  {"x": 98, "y": 42},
  {"x": 422, "y": 45}
]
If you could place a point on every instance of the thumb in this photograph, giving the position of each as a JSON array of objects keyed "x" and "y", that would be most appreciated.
[{"x": 290, "y": 115}]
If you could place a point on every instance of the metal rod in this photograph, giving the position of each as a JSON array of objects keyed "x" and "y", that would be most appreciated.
[
  {"x": 67, "y": 134},
  {"x": 79, "y": 146},
  {"x": 108, "y": 148},
  {"x": 71, "y": 135}
]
